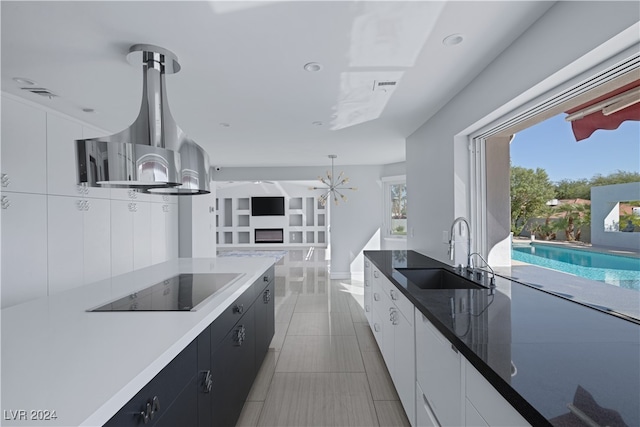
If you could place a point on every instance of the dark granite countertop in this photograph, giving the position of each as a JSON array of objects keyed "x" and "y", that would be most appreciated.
[{"x": 540, "y": 351}]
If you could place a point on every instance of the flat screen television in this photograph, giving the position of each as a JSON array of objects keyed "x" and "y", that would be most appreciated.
[{"x": 267, "y": 206}]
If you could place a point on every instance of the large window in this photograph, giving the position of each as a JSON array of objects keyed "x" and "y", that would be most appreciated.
[{"x": 395, "y": 209}]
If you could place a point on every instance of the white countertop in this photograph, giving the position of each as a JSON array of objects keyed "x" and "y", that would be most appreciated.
[{"x": 56, "y": 356}]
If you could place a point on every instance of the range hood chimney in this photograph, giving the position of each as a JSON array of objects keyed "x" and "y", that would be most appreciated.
[{"x": 153, "y": 155}]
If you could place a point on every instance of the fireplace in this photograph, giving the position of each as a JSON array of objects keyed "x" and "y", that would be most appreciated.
[{"x": 269, "y": 235}]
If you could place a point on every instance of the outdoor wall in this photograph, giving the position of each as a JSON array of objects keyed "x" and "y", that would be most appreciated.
[
  {"x": 437, "y": 153},
  {"x": 605, "y": 214},
  {"x": 354, "y": 225}
]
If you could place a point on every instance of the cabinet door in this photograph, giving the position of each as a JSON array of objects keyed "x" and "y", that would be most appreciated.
[
  {"x": 388, "y": 314},
  {"x": 164, "y": 396},
  {"x": 483, "y": 400},
  {"x": 265, "y": 326},
  {"x": 367, "y": 290},
  {"x": 24, "y": 247},
  {"x": 183, "y": 411},
  {"x": 97, "y": 240},
  {"x": 439, "y": 372},
  {"x": 172, "y": 230},
  {"x": 159, "y": 243},
  {"x": 121, "y": 237},
  {"x": 65, "y": 242},
  {"x": 404, "y": 371},
  {"x": 424, "y": 414},
  {"x": 62, "y": 177},
  {"x": 205, "y": 380},
  {"x": 141, "y": 235},
  {"x": 233, "y": 371},
  {"x": 24, "y": 149}
]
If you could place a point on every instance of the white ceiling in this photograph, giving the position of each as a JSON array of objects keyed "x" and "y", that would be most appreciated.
[{"x": 242, "y": 64}]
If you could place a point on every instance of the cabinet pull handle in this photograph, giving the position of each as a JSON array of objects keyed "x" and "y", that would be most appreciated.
[
  {"x": 266, "y": 297},
  {"x": 5, "y": 202},
  {"x": 155, "y": 406},
  {"x": 366, "y": 283},
  {"x": 207, "y": 382},
  {"x": 265, "y": 279},
  {"x": 376, "y": 297},
  {"x": 376, "y": 327},
  {"x": 454, "y": 349},
  {"x": 133, "y": 194},
  {"x": 375, "y": 274},
  {"x": 5, "y": 180},
  {"x": 240, "y": 335},
  {"x": 367, "y": 308},
  {"x": 238, "y": 308},
  {"x": 366, "y": 264},
  {"x": 146, "y": 413},
  {"x": 393, "y": 294}
]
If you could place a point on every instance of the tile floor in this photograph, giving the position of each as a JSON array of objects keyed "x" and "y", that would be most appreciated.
[{"x": 323, "y": 367}]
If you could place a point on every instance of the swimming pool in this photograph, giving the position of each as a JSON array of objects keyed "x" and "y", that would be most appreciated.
[{"x": 615, "y": 270}]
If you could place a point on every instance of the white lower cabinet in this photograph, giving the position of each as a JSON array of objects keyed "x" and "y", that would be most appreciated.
[
  {"x": 164, "y": 230},
  {"x": 394, "y": 333},
  {"x": 424, "y": 413},
  {"x": 79, "y": 234},
  {"x": 367, "y": 290},
  {"x": 437, "y": 386},
  {"x": 439, "y": 370},
  {"x": 24, "y": 247},
  {"x": 65, "y": 242},
  {"x": 484, "y": 401}
]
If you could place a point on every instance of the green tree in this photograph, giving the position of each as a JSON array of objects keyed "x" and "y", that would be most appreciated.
[
  {"x": 530, "y": 190},
  {"x": 619, "y": 177},
  {"x": 570, "y": 189},
  {"x": 546, "y": 230}
]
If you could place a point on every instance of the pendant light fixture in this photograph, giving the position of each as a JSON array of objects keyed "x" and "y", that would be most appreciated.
[
  {"x": 153, "y": 155},
  {"x": 333, "y": 186}
]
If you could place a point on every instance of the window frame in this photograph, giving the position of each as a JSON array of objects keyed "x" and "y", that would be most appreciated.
[{"x": 387, "y": 182}]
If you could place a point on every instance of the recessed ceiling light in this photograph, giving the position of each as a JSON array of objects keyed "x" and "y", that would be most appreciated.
[
  {"x": 453, "y": 40},
  {"x": 88, "y": 110},
  {"x": 317, "y": 123},
  {"x": 312, "y": 67},
  {"x": 225, "y": 125},
  {"x": 24, "y": 81}
]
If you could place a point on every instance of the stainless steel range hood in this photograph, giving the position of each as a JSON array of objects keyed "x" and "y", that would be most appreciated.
[{"x": 153, "y": 155}]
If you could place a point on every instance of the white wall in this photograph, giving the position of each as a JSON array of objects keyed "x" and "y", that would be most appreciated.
[
  {"x": 605, "y": 208},
  {"x": 437, "y": 154}
]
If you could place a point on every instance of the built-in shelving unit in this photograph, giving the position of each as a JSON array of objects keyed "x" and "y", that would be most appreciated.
[{"x": 304, "y": 222}]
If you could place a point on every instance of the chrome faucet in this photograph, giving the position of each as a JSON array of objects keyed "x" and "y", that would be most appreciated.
[
  {"x": 492, "y": 280},
  {"x": 452, "y": 247}
]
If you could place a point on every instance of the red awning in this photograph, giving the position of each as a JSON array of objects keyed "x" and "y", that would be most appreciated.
[{"x": 583, "y": 127}]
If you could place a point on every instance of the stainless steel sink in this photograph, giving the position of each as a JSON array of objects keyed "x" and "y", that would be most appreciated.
[{"x": 436, "y": 278}]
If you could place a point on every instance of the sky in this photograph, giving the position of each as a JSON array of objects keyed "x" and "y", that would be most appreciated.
[{"x": 551, "y": 145}]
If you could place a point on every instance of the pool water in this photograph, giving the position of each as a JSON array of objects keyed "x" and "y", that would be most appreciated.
[{"x": 615, "y": 270}]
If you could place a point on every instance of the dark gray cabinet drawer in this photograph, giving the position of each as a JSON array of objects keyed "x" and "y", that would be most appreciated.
[{"x": 153, "y": 401}]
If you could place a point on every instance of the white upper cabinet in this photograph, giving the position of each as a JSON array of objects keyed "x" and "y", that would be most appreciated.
[
  {"x": 61, "y": 156},
  {"x": 24, "y": 151}
]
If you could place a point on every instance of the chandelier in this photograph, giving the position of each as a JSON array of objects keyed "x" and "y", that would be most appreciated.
[{"x": 335, "y": 186}]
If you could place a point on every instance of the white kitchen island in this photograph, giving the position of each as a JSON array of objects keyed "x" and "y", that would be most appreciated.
[{"x": 57, "y": 356}]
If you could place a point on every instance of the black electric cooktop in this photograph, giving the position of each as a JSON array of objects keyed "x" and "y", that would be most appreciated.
[{"x": 179, "y": 293}]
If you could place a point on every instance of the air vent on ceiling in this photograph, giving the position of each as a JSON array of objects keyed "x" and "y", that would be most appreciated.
[
  {"x": 40, "y": 91},
  {"x": 384, "y": 85}
]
